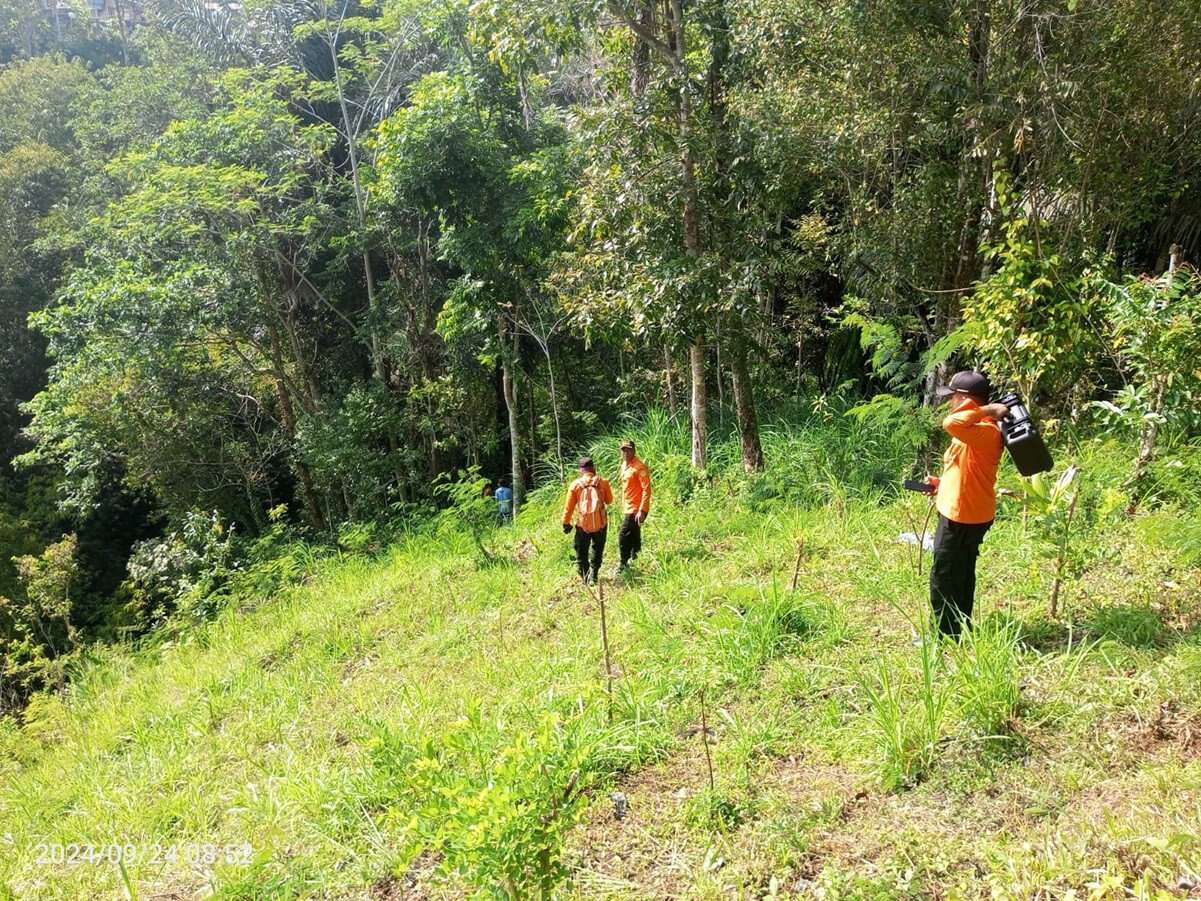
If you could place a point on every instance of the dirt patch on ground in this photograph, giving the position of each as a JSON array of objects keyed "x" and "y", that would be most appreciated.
[
  {"x": 637, "y": 840},
  {"x": 420, "y": 883},
  {"x": 1168, "y": 727},
  {"x": 836, "y": 816}
]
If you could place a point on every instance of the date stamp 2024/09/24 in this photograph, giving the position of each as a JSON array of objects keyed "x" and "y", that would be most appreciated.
[{"x": 74, "y": 854}]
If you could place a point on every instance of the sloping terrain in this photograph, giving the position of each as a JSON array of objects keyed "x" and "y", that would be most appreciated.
[{"x": 286, "y": 748}]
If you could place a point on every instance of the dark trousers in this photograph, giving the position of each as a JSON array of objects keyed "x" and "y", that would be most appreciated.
[
  {"x": 953, "y": 573},
  {"x": 629, "y": 539},
  {"x": 589, "y": 541}
]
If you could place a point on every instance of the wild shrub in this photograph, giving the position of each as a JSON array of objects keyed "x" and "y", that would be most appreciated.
[
  {"x": 906, "y": 733},
  {"x": 1174, "y": 477},
  {"x": 1028, "y": 324},
  {"x": 987, "y": 676},
  {"x": 711, "y": 809},
  {"x": 749, "y": 739},
  {"x": 497, "y": 817},
  {"x": 1052, "y": 511},
  {"x": 749, "y": 634},
  {"x": 335, "y": 446},
  {"x": 182, "y": 570},
  {"x": 1176, "y": 531},
  {"x": 1136, "y": 627},
  {"x": 469, "y": 508},
  {"x": 1155, "y": 330},
  {"x": 15, "y": 746},
  {"x": 268, "y": 563},
  {"x": 640, "y": 733},
  {"x": 358, "y": 537},
  {"x": 38, "y": 635}
]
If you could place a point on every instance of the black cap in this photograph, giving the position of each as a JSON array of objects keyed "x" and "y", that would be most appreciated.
[
  {"x": 974, "y": 383},
  {"x": 586, "y": 463}
]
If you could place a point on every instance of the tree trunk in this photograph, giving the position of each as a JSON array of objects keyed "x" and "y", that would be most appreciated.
[
  {"x": 312, "y": 503},
  {"x": 554, "y": 406},
  {"x": 744, "y": 402},
  {"x": 670, "y": 373},
  {"x": 509, "y": 388},
  {"x": 699, "y": 411},
  {"x": 692, "y": 233},
  {"x": 350, "y": 133},
  {"x": 975, "y": 192},
  {"x": 287, "y": 412},
  {"x": 641, "y": 62},
  {"x": 122, "y": 30},
  {"x": 721, "y": 393},
  {"x": 1146, "y": 446}
]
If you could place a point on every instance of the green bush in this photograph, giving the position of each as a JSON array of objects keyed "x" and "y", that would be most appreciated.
[
  {"x": 38, "y": 635},
  {"x": 1136, "y": 627},
  {"x": 750, "y": 630},
  {"x": 1176, "y": 531},
  {"x": 497, "y": 817},
  {"x": 183, "y": 570},
  {"x": 907, "y": 734},
  {"x": 988, "y": 675},
  {"x": 468, "y": 508}
]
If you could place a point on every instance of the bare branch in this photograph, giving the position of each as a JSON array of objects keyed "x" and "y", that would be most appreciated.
[{"x": 644, "y": 34}]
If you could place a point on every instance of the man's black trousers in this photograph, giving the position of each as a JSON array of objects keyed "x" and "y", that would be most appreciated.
[
  {"x": 589, "y": 541},
  {"x": 629, "y": 539},
  {"x": 953, "y": 573}
]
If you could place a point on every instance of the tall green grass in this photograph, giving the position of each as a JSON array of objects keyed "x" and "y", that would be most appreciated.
[
  {"x": 419, "y": 716},
  {"x": 908, "y": 729},
  {"x": 987, "y": 676}
]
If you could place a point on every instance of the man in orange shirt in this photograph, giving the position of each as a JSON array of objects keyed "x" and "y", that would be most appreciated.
[
  {"x": 636, "y": 498},
  {"x": 587, "y": 500},
  {"x": 966, "y": 497}
]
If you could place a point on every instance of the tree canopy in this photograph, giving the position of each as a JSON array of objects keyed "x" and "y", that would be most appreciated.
[{"x": 272, "y": 259}]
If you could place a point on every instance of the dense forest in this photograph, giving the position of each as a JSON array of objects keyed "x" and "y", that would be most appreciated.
[{"x": 296, "y": 267}]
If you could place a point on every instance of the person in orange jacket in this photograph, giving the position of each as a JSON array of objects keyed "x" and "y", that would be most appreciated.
[
  {"x": 588, "y": 498},
  {"x": 966, "y": 497},
  {"x": 636, "y": 500}
]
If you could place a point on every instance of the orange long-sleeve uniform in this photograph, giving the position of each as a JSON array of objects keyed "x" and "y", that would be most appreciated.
[
  {"x": 603, "y": 489},
  {"x": 967, "y": 490},
  {"x": 635, "y": 486}
]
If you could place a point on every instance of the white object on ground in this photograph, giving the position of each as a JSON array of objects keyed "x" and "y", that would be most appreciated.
[{"x": 910, "y": 538}]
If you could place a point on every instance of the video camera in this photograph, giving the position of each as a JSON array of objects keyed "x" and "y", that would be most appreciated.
[{"x": 1022, "y": 438}]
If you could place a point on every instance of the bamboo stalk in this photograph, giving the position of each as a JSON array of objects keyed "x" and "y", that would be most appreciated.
[
  {"x": 705, "y": 745},
  {"x": 921, "y": 539},
  {"x": 600, "y": 588},
  {"x": 796, "y": 569},
  {"x": 1063, "y": 552},
  {"x": 912, "y": 523}
]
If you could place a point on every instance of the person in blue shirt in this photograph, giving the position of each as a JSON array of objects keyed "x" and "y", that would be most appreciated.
[{"x": 504, "y": 501}]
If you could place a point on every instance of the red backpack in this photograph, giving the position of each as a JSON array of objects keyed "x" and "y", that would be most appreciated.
[{"x": 590, "y": 508}]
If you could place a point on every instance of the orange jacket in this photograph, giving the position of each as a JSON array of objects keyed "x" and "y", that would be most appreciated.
[
  {"x": 967, "y": 491},
  {"x": 573, "y": 497},
  {"x": 636, "y": 486}
]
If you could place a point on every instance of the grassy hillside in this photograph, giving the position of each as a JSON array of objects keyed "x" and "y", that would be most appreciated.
[{"x": 388, "y": 721}]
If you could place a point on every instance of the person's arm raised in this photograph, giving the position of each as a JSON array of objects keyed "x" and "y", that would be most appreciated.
[{"x": 967, "y": 426}]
